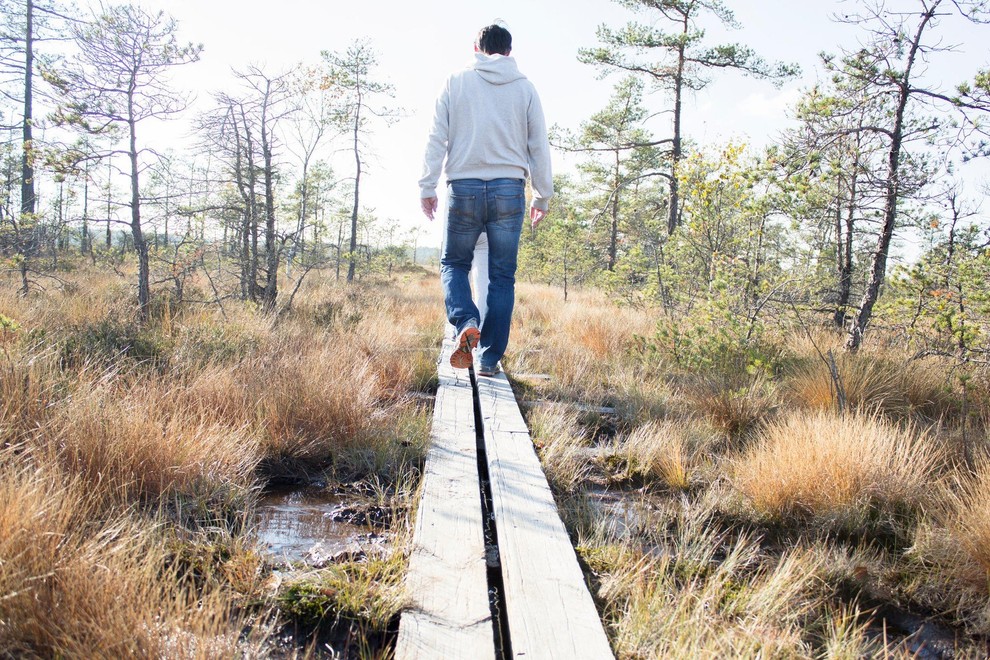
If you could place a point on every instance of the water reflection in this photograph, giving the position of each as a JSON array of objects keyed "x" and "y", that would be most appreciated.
[{"x": 299, "y": 525}]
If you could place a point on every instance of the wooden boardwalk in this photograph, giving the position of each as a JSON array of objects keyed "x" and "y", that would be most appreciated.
[{"x": 482, "y": 473}]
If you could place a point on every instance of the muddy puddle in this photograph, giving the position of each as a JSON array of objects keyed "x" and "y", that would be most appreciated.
[{"x": 317, "y": 526}]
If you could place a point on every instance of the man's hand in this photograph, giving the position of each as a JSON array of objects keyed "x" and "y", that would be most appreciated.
[
  {"x": 429, "y": 205},
  {"x": 536, "y": 216}
]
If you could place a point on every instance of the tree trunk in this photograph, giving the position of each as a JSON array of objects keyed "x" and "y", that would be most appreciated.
[
  {"x": 271, "y": 244},
  {"x": 950, "y": 247},
  {"x": 303, "y": 204},
  {"x": 244, "y": 234},
  {"x": 844, "y": 240},
  {"x": 613, "y": 237},
  {"x": 878, "y": 266},
  {"x": 844, "y": 246},
  {"x": 252, "y": 214},
  {"x": 839, "y": 315},
  {"x": 357, "y": 187},
  {"x": 340, "y": 244},
  {"x": 27, "y": 157},
  {"x": 25, "y": 283},
  {"x": 563, "y": 254},
  {"x": 168, "y": 196},
  {"x": 674, "y": 212},
  {"x": 140, "y": 244},
  {"x": 85, "y": 246},
  {"x": 109, "y": 203},
  {"x": 28, "y": 237}
]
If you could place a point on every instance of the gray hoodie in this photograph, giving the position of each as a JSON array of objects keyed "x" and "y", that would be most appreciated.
[{"x": 489, "y": 124}]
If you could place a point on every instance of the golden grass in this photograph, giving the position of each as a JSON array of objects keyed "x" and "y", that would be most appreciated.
[
  {"x": 560, "y": 440},
  {"x": 847, "y": 636},
  {"x": 313, "y": 397},
  {"x": 134, "y": 451},
  {"x": 688, "y": 602},
  {"x": 964, "y": 553},
  {"x": 876, "y": 379},
  {"x": 144, "y": 442},
  {"x": 312, "y": 403},
  {"x": 79, "y": 584},
  {"x": 831, "y": 468},
  {"x": 27, "y": 387},
  {"x": 586, "y": 343},
  {"x": 639, "y": 396},
  {"x": 702, "y": 589},
  {"x": 666, "y": 452},
  {"x": 597, "y": 332},
  {"x": 868, "y": 384},
  {"x": 119, "y": 426},
  {"x": 732, "y": 409}
]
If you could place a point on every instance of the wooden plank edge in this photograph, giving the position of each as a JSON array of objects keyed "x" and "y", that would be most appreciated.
[
  {"x": 434, "y": 624},
  {"x": 574, "y": 629}
]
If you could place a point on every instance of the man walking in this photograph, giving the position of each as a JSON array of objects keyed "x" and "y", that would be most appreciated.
[{"x": 489, "y": 128}]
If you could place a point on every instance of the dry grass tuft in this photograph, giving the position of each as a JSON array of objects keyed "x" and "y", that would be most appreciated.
[
  {"x": 397, "y": 367},
  {"x": 847, "y": 636},
  {"x": 835, "y": 469},
  {"x": 597, "y": 332},
  {"x": 686, "y": 603},
  {"x": 733, "y": 411},
  {"x": 875, "y": 380},
  {"x": 27, "y": 388},
  {"x": 586, "y": 343},
  {"x": 664, "y": 452},
  {"x": 869, "y": 384},
  {"x": 150, "y": 444},
  {"x": 76, "y": 584},
  {"x": 308, "y": 400},
  {"x": 314, "y": 403},
  {"x": 558, "y": 436},
  {"x": 967, "y": 520}
]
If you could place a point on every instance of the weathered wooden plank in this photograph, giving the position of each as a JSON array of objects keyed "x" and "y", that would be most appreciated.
[
  {"x": 448, "y": 614},
  {"x": 550, "y": 611}
]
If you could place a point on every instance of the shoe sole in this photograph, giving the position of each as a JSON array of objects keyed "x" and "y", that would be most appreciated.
[
  {"x": 488, "y": 374},
  {"x": 462, "y": 357}
]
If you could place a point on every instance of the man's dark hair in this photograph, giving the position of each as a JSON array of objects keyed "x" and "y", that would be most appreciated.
[{"x": 494, "y": 39}]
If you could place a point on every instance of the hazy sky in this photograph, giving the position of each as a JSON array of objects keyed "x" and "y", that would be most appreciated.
[{"x": 420, "y": 43}]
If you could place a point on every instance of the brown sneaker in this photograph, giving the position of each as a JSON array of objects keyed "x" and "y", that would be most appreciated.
[{"x": 462, "y": 356}]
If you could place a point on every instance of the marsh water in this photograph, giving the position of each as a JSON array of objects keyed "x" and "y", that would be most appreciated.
[{"x": 315, "y": 525}]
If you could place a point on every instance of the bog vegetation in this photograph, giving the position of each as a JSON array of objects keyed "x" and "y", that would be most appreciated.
[
  {"x": 767, "y": 429},
  {"x": 133, "y": 454}
]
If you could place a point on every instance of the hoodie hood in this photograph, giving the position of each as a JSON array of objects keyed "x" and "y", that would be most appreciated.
[{"x": 496, "y": 69}]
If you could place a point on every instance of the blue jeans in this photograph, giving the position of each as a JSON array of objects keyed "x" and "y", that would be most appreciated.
[{"x": 495, "y": 207}]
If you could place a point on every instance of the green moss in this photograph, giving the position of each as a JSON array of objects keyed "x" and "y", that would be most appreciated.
[
  {"x": 604, "y": 558},
  {"x": 366, "y": 593}
]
